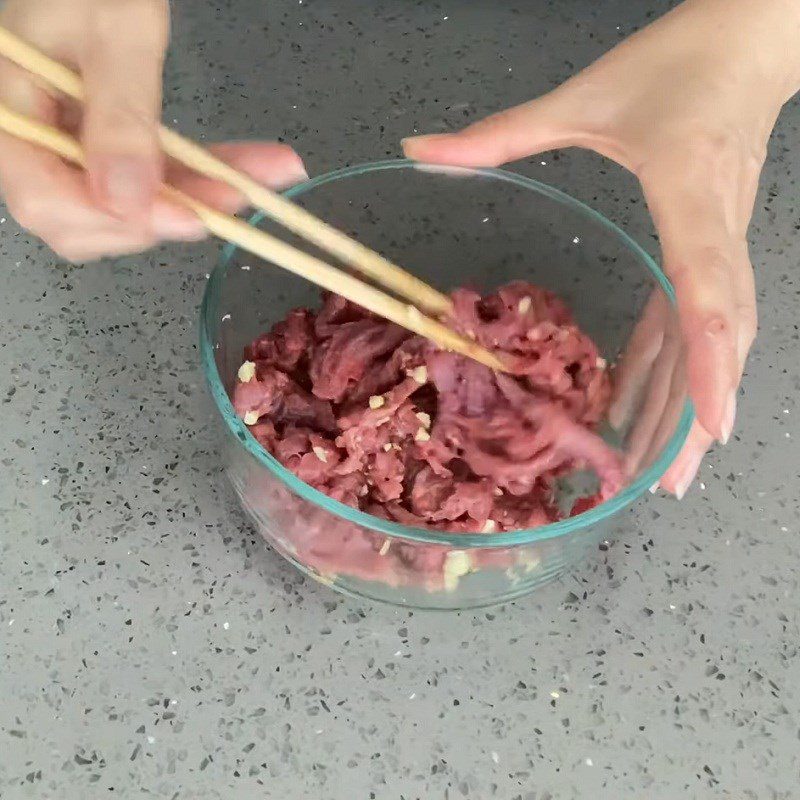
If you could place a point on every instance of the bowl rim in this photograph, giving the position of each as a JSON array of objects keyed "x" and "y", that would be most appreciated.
[{"x": 246, "y": 440}]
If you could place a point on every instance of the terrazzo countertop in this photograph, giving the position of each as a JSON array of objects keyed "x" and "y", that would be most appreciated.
[{"x": 151, "y": 646}]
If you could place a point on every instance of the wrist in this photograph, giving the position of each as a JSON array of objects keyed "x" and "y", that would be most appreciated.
[{"x": 760, "y": 40}]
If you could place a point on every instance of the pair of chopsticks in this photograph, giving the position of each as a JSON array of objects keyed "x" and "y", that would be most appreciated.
[{"x": 425, "y": 299}]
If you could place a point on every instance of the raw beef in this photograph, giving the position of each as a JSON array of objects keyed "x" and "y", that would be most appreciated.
[{"x": 383, "y": 420}]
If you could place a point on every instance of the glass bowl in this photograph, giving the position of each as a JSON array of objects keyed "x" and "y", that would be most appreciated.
[{"x": 451, "y": 227}]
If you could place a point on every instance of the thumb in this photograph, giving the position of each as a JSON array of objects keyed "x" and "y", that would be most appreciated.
[
  {"x": 541, "y": 124},
  {"x": 122, "y": 69}
]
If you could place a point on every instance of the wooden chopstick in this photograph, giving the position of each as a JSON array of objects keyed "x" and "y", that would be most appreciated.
[
  {"x": 270, "y": 248},
  {"x": 292, "y": 216}
]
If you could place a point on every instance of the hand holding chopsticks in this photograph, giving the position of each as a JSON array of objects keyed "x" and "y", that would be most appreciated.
[{"x": 297, "y": 219}]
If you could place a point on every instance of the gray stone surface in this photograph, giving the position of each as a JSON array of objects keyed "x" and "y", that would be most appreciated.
[{"x": 150, "y": 643}]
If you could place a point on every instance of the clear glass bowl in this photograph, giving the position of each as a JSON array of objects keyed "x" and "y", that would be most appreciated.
[{"x": 452, "y": 227}]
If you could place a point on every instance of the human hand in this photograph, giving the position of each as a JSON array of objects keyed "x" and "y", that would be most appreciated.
[
  {"x": 686, "y": 104},
  {"x": 118, "y": 46}
]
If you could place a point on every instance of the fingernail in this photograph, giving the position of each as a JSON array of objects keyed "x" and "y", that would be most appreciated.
[
  {"x": 687, "y": 475},
  {"x": 411, "y": 140},
  {"x": 654, "y": 488},
  {"x": 728, "y": 418},
  {"x": 126, "y": 184},
  {"x": 291, "y": 177},
  {"x": 177, "y": 224},
  {"x": 300, "y": 173}
]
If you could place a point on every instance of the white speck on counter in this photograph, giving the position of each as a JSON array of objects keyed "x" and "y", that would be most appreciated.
[
  {"x": 485, "y": 219},
  {"x": 702, "y": 486},
  {"x": 226, "y": 625},
  {"x": 445, "y": 18},
  {"x": 671, "y": 607},
  {"x": 398, "y": 653},
  {"x": 45, "y": 481},
  {"x": 412, "y": 695},
  {"x": 543, "y": 163},
  {"x": 576, "y": 240},
  {"x": 495, "y": 757},
  {"x": 246, "y": 267},
  {"x": 174, "y": 652},
  {"x": 784, "y": 529},
  {"x": 589, "y": 762},
  {"x": 555, "y": 695},
  {"x": 226, "y": 317},
  {"x": 788, "y": 435},
  {"x": 10, "y": 623},
  {"x": 151, "y": 739}
]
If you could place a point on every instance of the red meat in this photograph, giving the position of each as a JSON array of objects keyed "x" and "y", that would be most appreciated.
[{"x": 384, "y": 421}]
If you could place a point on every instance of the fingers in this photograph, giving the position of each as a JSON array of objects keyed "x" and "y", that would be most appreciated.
[
  {"x": 52, "y": 200},
  {"x": 542, "y": 124},
  {"x": 666, "y": 387},
  {"x": 702, "y": 257},
  {"x": 683, "y": 470},
  {"x": 122, "y": 63},
  {"x": 272, "y": 164},
  {"x": 633, "y": 368}
]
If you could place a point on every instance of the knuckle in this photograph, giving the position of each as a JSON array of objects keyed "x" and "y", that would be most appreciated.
[
  {"x": 715, "y": 322},
  {"x": 710, "y": 146},
  {"x": 71, "y": 245},
  {"x": 67, "y": 248},
  {"x": 122, "y": 122},
  {"x": 30, "y": 210},
  {"x": 147, "y": 21}
]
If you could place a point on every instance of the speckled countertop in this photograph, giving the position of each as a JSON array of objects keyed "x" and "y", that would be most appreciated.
[{"x": 150, "y": 646}]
